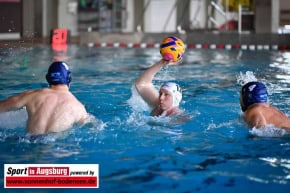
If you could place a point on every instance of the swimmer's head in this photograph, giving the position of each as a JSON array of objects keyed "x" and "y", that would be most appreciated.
[
  {"x": 175, "y": 91},
  {"x": 58, "y": 73},
  {"x": 253, "y": 92}
]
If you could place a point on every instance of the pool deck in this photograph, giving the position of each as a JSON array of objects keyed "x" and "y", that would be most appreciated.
[{"x": 195, "y": 39}]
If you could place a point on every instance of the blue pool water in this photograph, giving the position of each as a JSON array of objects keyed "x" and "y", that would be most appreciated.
[{"x": 212, "y": 152}]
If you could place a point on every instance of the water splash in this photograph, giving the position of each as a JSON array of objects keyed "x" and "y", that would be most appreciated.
[
  {"x": 13, "y": 124},
  {"x": 136, "y": 102},
  {"x": 42, "y": 138},
  {"x": 243, "y": 79},
  {"x": 268, "y": 131},
  {"x": 229, "y": 124},
  {"x": 13, "y": 119},
  {"x": 275, "y": 162},
  {"x": 95, "y": 123},
  {"x": 136, "y": 119},
  {"x": 61, "y": 152}
]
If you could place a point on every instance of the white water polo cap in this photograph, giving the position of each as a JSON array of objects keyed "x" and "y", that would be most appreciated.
[{"x": 175, "y": 91}]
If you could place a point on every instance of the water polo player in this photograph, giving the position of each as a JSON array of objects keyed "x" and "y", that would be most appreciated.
[
  {"x": 52, "y": 109},
  {"x": 164, "y": 103},
  {"x": 257, "y": 112}
]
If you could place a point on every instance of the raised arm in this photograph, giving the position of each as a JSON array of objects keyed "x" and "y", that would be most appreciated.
[
  {"x": 145, "y": 86},
  {"x": 14, "y": 102}
]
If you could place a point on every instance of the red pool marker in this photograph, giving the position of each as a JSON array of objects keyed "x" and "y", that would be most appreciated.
[
  {"x": 59, "y": 47},
  {"x": 60, "y": 36}
]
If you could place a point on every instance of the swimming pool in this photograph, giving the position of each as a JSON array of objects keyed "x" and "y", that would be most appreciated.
[{"x": 212, "y": 152}]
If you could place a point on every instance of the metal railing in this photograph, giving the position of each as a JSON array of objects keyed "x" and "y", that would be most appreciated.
[{"x": 213, "y": 8}]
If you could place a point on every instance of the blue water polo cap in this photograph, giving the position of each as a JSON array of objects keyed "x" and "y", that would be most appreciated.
[
  {"x": 253, "y": 92},
  {"x": 58, "y": 73}
]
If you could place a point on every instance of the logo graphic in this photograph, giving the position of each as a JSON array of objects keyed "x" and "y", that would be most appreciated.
[{"x": 51, "y": 176}]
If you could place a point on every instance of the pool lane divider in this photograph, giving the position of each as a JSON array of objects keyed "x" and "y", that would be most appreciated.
[{"x": 252, "y": 47}]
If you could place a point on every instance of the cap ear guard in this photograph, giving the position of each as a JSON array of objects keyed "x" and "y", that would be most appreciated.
[
  {"x": 177, "y": 97},
  {"x": 175, "y": 91},
  {"x": 68, "y": 78}
]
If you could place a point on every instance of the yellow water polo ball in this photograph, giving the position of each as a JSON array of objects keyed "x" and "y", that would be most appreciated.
[{"x": 172, "y": 49}]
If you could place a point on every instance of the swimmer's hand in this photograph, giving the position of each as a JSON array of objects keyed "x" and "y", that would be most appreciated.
[{"x": 167, "y": 63}]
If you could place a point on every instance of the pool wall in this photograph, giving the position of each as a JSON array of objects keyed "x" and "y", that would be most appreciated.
[{"x": 199, "y": 39}]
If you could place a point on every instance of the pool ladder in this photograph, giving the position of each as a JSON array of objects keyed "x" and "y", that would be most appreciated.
[{"x": 213, "y": 7}]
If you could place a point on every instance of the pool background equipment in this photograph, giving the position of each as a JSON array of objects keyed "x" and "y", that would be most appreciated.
[{"x": 212, "y": 152}]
